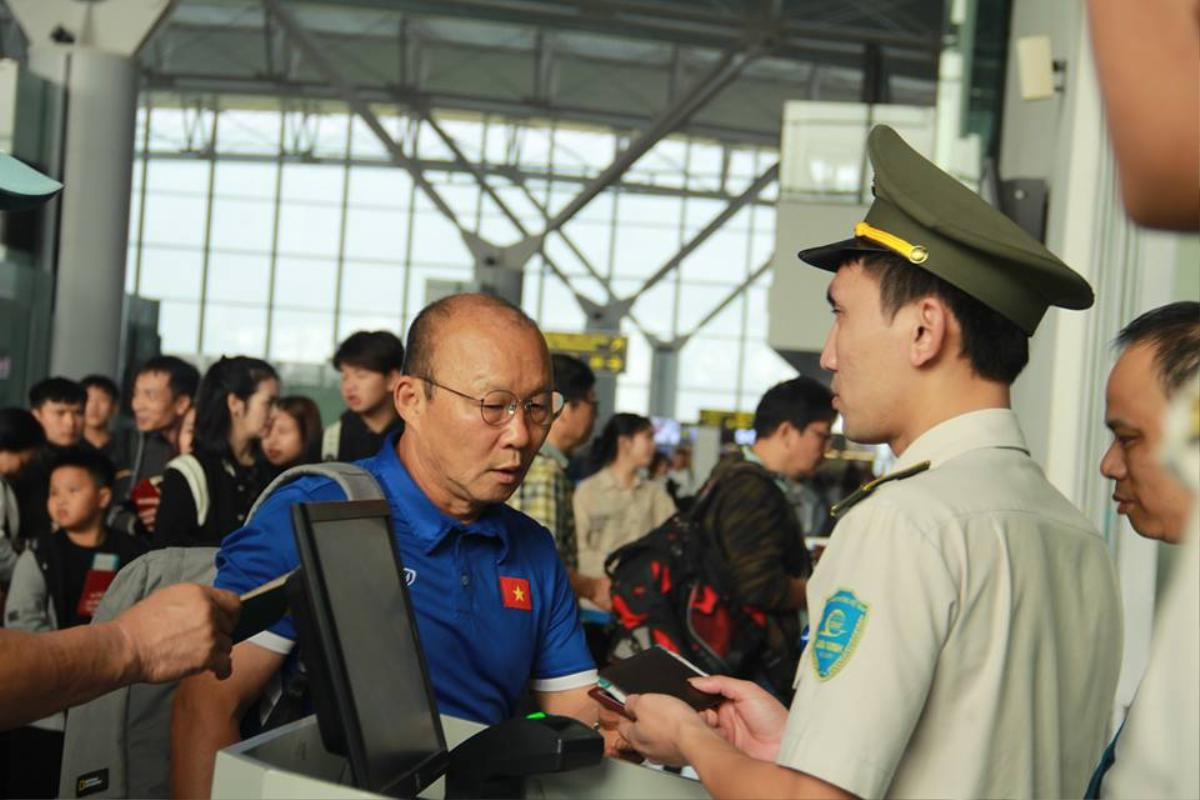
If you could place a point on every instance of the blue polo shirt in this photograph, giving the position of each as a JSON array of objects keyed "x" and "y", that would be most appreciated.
[{"x": 493, "y": 604}]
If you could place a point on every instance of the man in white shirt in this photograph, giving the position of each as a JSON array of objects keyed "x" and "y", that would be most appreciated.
[{"x": 963, "y": 643}]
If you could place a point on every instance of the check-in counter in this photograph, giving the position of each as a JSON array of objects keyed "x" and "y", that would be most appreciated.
[{"x": 291, "y": 762}]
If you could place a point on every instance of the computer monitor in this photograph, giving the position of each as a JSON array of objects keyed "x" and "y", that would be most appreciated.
[{"x": 359, "y": 642}]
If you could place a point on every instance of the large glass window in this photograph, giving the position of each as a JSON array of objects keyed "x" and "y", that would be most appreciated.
[{"x": 294, "y": 228}]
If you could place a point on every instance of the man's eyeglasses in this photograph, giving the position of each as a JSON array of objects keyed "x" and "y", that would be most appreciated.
[{"x": 498, "y": 406}]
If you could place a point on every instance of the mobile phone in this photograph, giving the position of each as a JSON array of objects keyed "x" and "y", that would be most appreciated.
[{"x": 605, "y": 699}]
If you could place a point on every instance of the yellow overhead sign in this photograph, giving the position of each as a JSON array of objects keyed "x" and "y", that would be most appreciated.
[
  {"x": 729, "y": 420},
  {"x": 603, "y": 352}
]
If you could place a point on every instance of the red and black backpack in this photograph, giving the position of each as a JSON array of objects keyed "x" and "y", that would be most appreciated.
[{"x": 670, "y": 588}]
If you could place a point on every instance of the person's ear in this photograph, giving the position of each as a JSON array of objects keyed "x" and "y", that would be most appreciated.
[
  {"x": 105, "y": 496},
  {"x": 392, "y": 377},
  {"x": 408, "y": 395},
  {"x": 930, "y": 331},
  {"x": 182, "y": 403},
  {"x": 237, "y": 406},
  {"x": 787, "y": 433}
]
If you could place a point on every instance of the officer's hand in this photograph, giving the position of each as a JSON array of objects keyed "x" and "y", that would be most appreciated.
[
  {"x": 180, "y": 630},
  {"x": 750, "y": 719},
  {"x": 662, "y": 723}
]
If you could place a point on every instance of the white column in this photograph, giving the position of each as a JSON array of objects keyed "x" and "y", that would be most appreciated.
[
  {"x": 99, "y": 71},
  {"x": 94, "y": 222}
]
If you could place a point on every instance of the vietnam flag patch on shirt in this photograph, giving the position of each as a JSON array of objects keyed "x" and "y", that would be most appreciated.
[{"x": 515, "y": 593}]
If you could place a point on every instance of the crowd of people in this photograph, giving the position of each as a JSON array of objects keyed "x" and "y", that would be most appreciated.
[
  {"x": 83, "y": 496},
  {"x": 79, "y": 501}
]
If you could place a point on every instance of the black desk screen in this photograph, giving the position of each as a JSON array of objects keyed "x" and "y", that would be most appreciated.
[{"x": 359, "y": 642}]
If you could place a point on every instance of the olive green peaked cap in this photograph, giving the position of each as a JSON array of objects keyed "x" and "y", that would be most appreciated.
[{"x": 940, "y": 225}]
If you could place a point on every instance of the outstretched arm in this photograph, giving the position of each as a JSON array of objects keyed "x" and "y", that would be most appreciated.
[{"x": 174, "y": 632}]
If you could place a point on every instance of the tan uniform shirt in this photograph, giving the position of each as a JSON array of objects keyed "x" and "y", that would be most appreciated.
[
  {"x": 607, "y": 515},
  {"x": 966, "y": 638}
]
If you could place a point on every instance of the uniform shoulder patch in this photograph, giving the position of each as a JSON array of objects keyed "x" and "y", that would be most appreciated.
[
  {"x": 842, "y": 624},
  {"x": 861, "y": 493}
]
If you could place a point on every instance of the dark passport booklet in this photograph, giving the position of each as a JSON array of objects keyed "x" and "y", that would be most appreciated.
[{"x": 656, "y": 671}]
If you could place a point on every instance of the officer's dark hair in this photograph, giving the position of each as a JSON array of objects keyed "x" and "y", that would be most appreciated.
[
  {"x": 604, "y": 451},
  {"x": 1174, "y": 332},
  {"x": 308, "y": 420},
  {"x": 995, "y": 346},
  {"x": 19, "y": 431},
  {"x": 232, "y": 375},
  {"x": 377, "y": 351},
  {"x": 418, "y": 352},
  {"x": 573, "y": 379},
  {"x": 57, "y": 390},
  {"x": 182, "y": 378},
  {"x": 800, "y": 401},
  {"x": 97, "y": 465},
  {"x": 104, "y": 384}
]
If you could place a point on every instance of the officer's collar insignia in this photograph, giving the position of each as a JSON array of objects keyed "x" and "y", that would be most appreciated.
[
  {"x": 842, "y": 625},
  {"x": 864, "y": 491}
]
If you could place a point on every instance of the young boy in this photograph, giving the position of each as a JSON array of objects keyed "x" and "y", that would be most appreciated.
[
  {"x": 370, "y": 363},
  {"x": 58, "y": 582},
  {"x": 60, "y": 578},
  {"x": 58, "y": 403},
  {"x": 103, "y": 403}
]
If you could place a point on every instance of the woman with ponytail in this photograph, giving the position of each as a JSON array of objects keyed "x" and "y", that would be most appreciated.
[
  {"x": 207, "y": 494},
  {"x": 618, "y": 504}
]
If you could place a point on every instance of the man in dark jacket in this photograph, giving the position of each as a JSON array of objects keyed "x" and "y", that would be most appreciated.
[
  {"x": 753, "y": 518},
  {"x": 163, "y": 393}
]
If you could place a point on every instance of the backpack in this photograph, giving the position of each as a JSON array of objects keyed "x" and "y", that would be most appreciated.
[
  {"x": 119, "y": 745},
  {"x": 669, "y": 588},
  {"x": 192, "y": 471}
]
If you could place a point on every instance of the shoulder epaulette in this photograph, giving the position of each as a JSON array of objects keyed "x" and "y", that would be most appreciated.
[{"x": 864, "y": 491}]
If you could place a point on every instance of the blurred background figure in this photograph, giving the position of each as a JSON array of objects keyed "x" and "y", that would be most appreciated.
[
  {"x": 163, "y": 393},
  {"x": 293, "y": 433},
  {"x": 681, "y": 482},
  {"x": 21, "y": 438},
  {"x": 58, "y": 404},
  {"x": 207, "y": 494},
  {"x": 187, "y": 433},
  {"x": 618, "y": 504},
  {"x": 660, "y": 467},
  {"x": 99, "y": 412},
  {"x": 369, "y": 363}
]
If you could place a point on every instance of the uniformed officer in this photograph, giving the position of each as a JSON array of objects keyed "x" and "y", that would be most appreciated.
[{"x": 964, "y": 642}]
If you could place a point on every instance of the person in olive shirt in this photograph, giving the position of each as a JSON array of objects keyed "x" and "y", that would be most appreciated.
[{"x": 370, "y": 364}]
